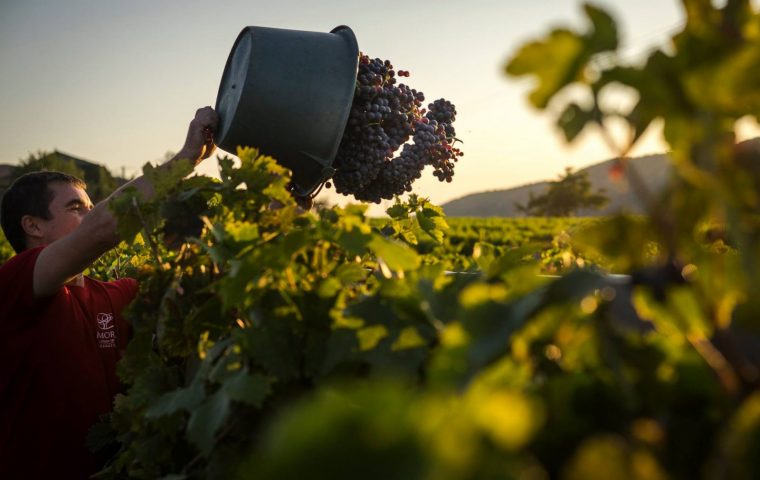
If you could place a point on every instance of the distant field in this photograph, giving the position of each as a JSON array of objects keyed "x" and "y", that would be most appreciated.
[
  {"x": 464, "y": 232},
  {"x": 511, "y": 232}
]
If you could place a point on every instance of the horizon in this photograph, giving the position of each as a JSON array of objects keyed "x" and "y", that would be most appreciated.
[{"x": 507, "y": 188}]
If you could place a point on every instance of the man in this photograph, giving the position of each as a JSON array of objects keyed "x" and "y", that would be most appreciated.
[{"x": 61, "y": 333}]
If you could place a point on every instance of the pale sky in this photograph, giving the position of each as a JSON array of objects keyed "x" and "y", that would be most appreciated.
[{"x": 116, "y": 82}]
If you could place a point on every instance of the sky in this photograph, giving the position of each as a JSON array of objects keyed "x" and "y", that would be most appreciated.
[{"x": 117, "y": 82}]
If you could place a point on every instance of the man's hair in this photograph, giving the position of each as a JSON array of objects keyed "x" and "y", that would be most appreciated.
[{"x": 29, "y": 195}]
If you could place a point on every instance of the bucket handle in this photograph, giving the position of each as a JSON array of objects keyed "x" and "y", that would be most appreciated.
[{"x": 326, "y": 174}]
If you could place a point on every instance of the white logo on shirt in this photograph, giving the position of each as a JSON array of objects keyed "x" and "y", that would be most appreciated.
[
  {"x": 106, "y": 335},
  {"x": 105, "y": 321}
]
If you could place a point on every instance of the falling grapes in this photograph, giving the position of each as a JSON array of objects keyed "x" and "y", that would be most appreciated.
[{"x": 387, "y": 116}]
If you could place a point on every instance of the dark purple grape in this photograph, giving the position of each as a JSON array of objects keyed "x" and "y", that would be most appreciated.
[{"x": 384, "y": 117}]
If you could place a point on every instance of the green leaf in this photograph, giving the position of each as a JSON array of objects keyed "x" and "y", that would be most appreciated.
[
  {"x": 182, "y": 399},
  {"x": 491, "y": 319},
  {"x": 604, "y": 35},
  {"x": 408, "y": 337},
  {"x": 573, "y": 120},
  {"x": 166, "y": 177},
  {"x": 263, "y": 174},
  {"x": 354, "y": 241},
  {"x": 655, "y": 93},
  {"x": 226, "y": 167},
  {"x": 409, "y": 236},
  {"x": 511, "y": 259},
  {"x": 349, "y": 273},
  {"x": 251, "y": 389},
  {"x": 556, "y": 61},
  {"x": 125, "y": 210},
  {"x": 341, "y": 345},
  {"x": 691, "y": 317},
  {"x": 397, "y": 255},
  {"x": 329, "y": 287},
  {"x": 733, "y": 83},
  {"x": 206, "y": 420},
  {"x": 273, "y": 346},
  {"x": 432, "y": 223},
  {"x": 101, "y": 435},
  {"x": 561, "y": 58},
  {"x": 242, "y": 231},
  {"x": 398, "y": 211},
  {"x": 182, "y": 219}
]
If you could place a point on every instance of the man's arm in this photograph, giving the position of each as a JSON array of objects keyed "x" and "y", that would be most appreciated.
[{"x": 61, "y": 261}]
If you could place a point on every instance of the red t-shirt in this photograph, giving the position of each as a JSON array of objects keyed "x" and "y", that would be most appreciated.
[{"x": 57, "y": 369}]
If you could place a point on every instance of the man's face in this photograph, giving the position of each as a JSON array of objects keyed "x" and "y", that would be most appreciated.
[{"x": 67, "y": 209}]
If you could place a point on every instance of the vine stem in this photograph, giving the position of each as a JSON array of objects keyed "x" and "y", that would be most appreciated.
[{"x": 717, "y": 361}]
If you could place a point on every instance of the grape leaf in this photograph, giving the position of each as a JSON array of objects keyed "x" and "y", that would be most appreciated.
[
  {"x": 397, "y": 255},
  {"x": 573, "y": 120},
  {"x": 101, "y": 435},
  {"x": 251, "y": 389},
  {"x": 272, "y": 345},
  {"x": 206, "y": 420},
  {"x": 557, "y": 61},
  {"x": 341, "y": 345},
  {"x": 398, "y": 211},
  {"x": 181, "y": 399},
  {"x": 349, "y": 273},
  {"x": 561, "y": 58},
  {"x": 432, "y": 223},
  {"x": 166, "y": 177},
  {"x": 123, "y": 208},
  {"x": 604, "y": 34}
]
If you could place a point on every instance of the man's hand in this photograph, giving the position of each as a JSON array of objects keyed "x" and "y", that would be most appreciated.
[{"x": 199, "y": 143}]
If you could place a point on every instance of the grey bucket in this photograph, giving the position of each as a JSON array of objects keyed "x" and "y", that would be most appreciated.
[{"x": 289, "y": 93}]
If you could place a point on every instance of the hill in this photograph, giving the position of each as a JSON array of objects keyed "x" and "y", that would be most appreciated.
[{"x": 653, "y": 169}]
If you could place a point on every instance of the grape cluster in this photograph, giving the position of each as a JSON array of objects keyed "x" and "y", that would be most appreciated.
[{"x": 387, "y": 116}]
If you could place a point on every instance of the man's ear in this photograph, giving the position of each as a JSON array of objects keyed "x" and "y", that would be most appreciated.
[{"x": 31, "y": 226}]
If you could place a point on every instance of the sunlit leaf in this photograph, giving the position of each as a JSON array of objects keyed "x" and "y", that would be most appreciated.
[
  {"x": 395, "y": 254},
  {"x": 556, "y": 61}
]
